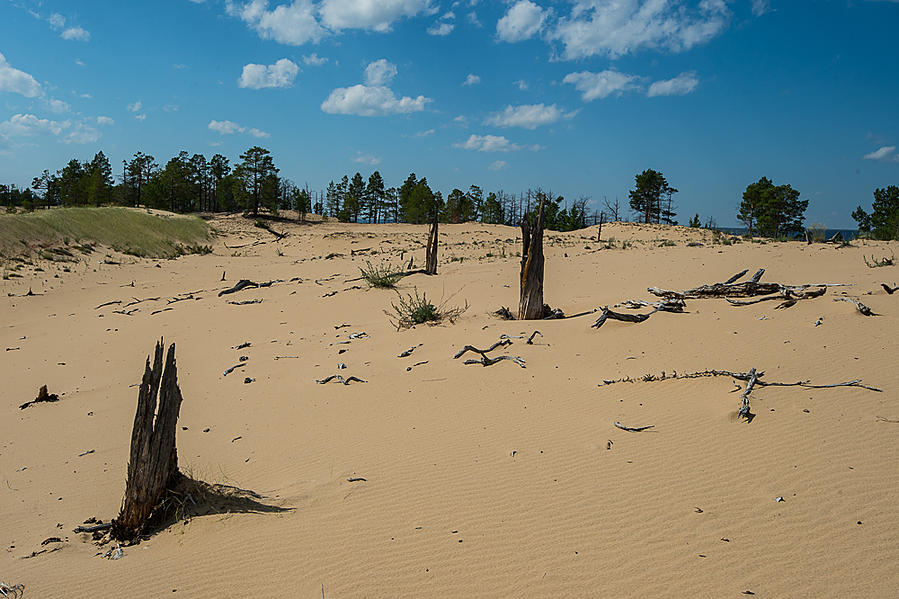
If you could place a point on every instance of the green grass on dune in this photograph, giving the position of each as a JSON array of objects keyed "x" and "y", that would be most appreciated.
[{"x": 125, "y": 230}]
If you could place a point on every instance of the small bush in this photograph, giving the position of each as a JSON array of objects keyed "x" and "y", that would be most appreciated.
[
  {"x": 667, "y": 244},
  {"x": 817, "y": 233},
  {"x": 414, "y": 309},
  {"x": 383, "y": 276}
]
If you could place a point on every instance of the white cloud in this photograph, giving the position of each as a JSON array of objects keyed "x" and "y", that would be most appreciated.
[
  {"x": 884, "y": 154},
  {"x": 492, "y": 143},
  {"x": 613, "y": 29},
  {"x": 602, "y": 84},
  {"x": 314, "y": 60},
  {"x": 681, "y": 85},
  {"x": 380, "y": 72},
  {"x": 57, "y": 21},
  {"x": 258, "y": 76},
  {"x": 461, "y": 120},
  {"x": 140, "y": 117},
  {"x": 76, "y": 34},
  {"x": 20, "y": 125},
  {"x": 760, "y": 7},
  {"x": 498, "y": 165},
  {"x": 230, "y": 127},
  {"x": 293, "y": 24},
  {"x": 135, "y": 106},
  {"x": 472, "y": 79},
  {"x": 57, "y": 106},
  {"x": 522, "y": 84},
  {"x": 523, "y": 20},
  {"x": 105, "y": 120},
  {"x": 79, "y": 62},
  {"x": 376, "y": 15},
  {"x": 425, "y": 133},
  {"x": 364, "y": 100},
  {"x": 366, "y": 159},
  {"x": 441, "y": 28},
  {"x": 374, "y": 98},
  {"x": 17, "y": 82},
  {"x": 81, "y": 134},
  {"x": 528, "y": 116}
]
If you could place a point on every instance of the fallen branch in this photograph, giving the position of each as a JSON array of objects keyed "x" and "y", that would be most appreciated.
[
  {"x": 93, "y": 528},
  {"x": 181, "y": 299},
  {"x": 158, "y": 311},
  {"x": 730, "y": 288},
  {"x": 530, "y": 339},
  {"x": 339, "y": 379},
  {"x": 233, "y": 368},
  {"x": 42, "y": 397},
  {"x": 888, "y": 289},
  {"x": 675, "y": 305},
  {"x": 488, "y": 361},
  {"x": 240, "y": 286},
  {"x": 875, "y": 263},
  {"x": 744, "y": 412},
  {"x": 863, "y": 309},
  {"x": 246, "y": 302},
  {"x": 108, "y": 304},
  {"x": 483, "y": 352},
  {"x": 140, "y": 301},
  {"x": 633, "y": 429},
  {"x": 409, "y": 351}
]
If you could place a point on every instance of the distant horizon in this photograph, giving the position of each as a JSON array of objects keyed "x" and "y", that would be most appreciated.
[{"x": 576, "y": 97}]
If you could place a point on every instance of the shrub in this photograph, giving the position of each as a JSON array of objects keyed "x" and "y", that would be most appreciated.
[
  {"x": 414, "y": 309},
  {"x": 817, "y": 233},
  {"x": 384, "y": 276}
]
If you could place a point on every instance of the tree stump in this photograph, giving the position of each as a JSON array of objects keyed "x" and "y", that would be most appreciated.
[
  {"x": 431, "y": 257},
  {"x": 602, "y": 216},
  {"x": 153, "y": 461},
  {"x": 530, "y": 305}
]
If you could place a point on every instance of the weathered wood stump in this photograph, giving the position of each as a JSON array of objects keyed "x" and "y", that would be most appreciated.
[
  {"x": 431, "y": 257},
  {"x": 530, "y": 305},
  {"x": 153, "y": 461}
]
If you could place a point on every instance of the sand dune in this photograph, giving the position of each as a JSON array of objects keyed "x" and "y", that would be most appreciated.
[{"x": 480, "y": 482}]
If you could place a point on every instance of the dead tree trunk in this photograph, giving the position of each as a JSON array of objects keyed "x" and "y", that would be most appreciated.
[
  {"x": 153, "y": 462},
  {"x": 431, "y": 258},
  {"x": 602, "y": 216},
  {"x": 530, "y": 305}
]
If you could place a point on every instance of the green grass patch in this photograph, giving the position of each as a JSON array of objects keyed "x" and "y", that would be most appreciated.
[
  {"x": 414, "y": 309},
  {"x": 383, "y": 276},
  {"x": 133, "y": 232}
]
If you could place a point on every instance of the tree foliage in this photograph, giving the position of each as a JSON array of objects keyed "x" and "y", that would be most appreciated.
[
  {"x": 651, "y": 197},
  {"x": 883, "y": 222},
  {"x": 772, "y": 210}
]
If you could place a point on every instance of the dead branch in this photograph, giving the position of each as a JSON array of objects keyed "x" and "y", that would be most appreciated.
[
  {"x": 42, "y": 397},
  {"x": 108, "y": 304},
  {"x": 246, "y": 302},
  {"x": 483, "y": 352},
  {"x": 240, "y": 286},
  {"x": 744, "y": 398},
  {"x": 863, "y": 309},
  {"x": 181, "y": 299},
  {"x": 888, "y": 289},
  {"x": 409, "y": 351},
  {"x": 158, "y": 311},
  {"x": 488, "y": 361},
  {"x": 675, "y": 305},
  {"x": 339, "y": 379},
  {"x": 736, "y": 277},
  {"x": 530, "y": 339},
  {"x": 875, "y": 263},
  {"x": 730, "y": 288},
  {"x": 93, "y": 528},
  {"x": 633, "y": 429},
  {"x": 233, "y": 368},
  {"x": 139, "y": 301}
]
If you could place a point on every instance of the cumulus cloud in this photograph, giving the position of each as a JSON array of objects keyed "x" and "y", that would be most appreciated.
[
  {"x": 602, "y": 84},
  {"x": 522, "y": 21},
  {"x": 613, "y": 29},
  {"x": 293, "y": 24},
  {"x": 373, "y": 98},
  {"x": 105, "y": 120},
  {"x": 681, "y": 85},
  {"x": 441, "y": 28},
  {"x": 884, "y": 154},
  {"x": 498, "y": 165},
  {"x": 302, "y": 21},
  {"x": 81, "y": 134},
  {"x": 258, "y": 76},
  {"x": 492, "y": 143},
  {"x": 366, "y": 159},
  {"x": 365, "y": 100},
  {"x": 380, "y": 72},
  {"x": 760, "y": 7},
  {"x": 472, "y": 79},
  {"x": 57, "y": 106},
  {"x": 17, "y": 82},
  {"x": 26, "y": 125},
  {"x": 77, "y": 34},
  {"x": 375, "y": 15},
  {"x": 135, "y": 106},
  {"x": 314, "y": 60},
  {"x": 230, "y": 128},
  {"x": 528, "y": 116}
]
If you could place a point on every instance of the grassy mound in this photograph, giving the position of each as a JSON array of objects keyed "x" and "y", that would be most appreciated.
[{"x": 125, "y": 230}]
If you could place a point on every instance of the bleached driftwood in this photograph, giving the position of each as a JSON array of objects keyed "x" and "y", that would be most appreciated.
[
  {"x": 488, "y": 361},
  {"x": 751, "y": 288},
  {"x": 862, "y": 308},
  {"x": 483, "y": 352},
  {"x": 339, "y": 379},
  {"x": 675, "y": 305}
]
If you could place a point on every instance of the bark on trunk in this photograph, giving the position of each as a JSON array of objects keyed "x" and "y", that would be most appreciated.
[
  {"x": 530, "y": 305},
  {"x": 153, "y": 461}
]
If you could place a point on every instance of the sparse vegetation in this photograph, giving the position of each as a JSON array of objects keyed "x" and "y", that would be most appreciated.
[
  {"x": 817, "y": 233},
  {"x": 121, "y": 229},
  {"x": 415, "y": 308},
  {"x": 383, "y": 276}
]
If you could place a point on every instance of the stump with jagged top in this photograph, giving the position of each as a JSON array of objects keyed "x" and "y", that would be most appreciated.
[
  {"x": 431, "y": 259},
  {"x": 153, "y": 461},
  {"x": 530, "y": 305}
]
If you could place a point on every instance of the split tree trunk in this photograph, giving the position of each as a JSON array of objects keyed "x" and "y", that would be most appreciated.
[
  {"x": 602, "y": 216},
  {"x": 431, "y": 258},
  {"x": 530, "y": 305},
  {"x": 153, "y": 462}
]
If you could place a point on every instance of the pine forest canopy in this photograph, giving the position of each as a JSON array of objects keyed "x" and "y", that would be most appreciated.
[{"x": 194, "y": 183}]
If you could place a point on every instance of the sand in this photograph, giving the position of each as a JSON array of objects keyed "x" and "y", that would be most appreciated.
[{"x": 480, "y": 482}]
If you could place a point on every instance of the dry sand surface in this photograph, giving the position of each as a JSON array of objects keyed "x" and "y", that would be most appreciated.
[{"x": 479, "y": 482}]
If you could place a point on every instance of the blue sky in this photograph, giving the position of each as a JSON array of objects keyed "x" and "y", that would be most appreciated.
[{"x": 574, "y": 96}]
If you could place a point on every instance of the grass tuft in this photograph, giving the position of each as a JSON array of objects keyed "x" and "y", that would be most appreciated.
[
  {"x": 383, "y": 276},
  {"x": 413, "y": 309}
]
